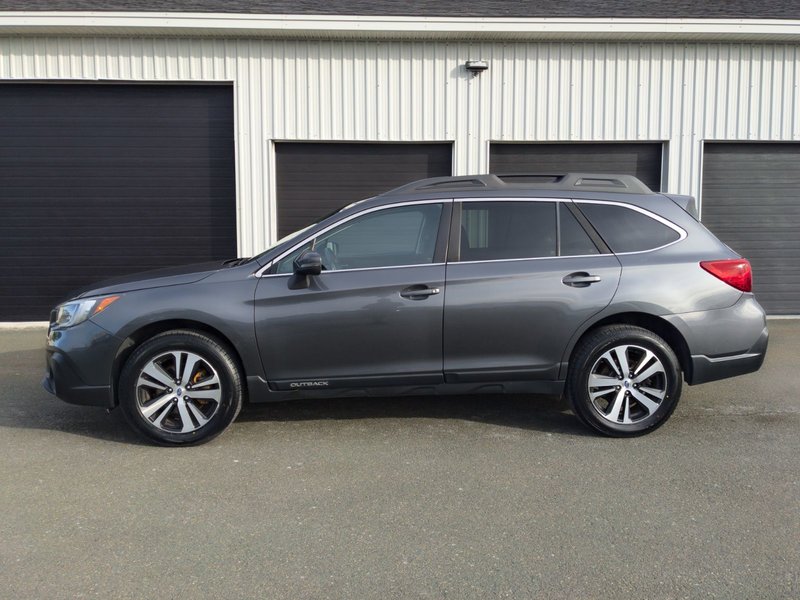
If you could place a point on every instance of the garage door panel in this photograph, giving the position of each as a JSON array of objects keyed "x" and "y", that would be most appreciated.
[
  {"x": 75, "y": 266},
  {"x": 110, "y": 209},
  {"x": 72, "y": 267},
  {"x": 196, "y": 190},
  {"x": 772, "y": 229},
  {"x": 640, "y": 159},
  {"x": 764, "y": 246},
  {"x": 157, "y": 173},
  {"x": 149, "y": 117},
  {"x": 94, "y": 178},
  {"x": 53, "y": 148},
  {"x": 52, "y": 135},
  {"x": 130, "y": 165},
  {"x": 314, "y": 179},
  {"x": 751, "y": 201},
  {"x": 783, "y": 290},
  {"x": 755, "y": 215}
]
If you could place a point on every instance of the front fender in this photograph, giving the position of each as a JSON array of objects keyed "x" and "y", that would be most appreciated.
[{"x": 223, "y": 305}]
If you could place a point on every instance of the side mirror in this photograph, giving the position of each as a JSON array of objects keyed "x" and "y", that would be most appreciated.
[{"x": 308, "y": 263}]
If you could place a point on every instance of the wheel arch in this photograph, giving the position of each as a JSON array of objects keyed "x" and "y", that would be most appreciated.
[
  {"x": 144, "y": 333},
  {"x": 658, "y": 325}
]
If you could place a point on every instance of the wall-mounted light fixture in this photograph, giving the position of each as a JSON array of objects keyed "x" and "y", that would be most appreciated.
[{"x": 476, "y": 67}]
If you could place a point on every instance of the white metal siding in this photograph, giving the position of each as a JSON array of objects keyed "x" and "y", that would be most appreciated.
[{"x": 681, "y": 93}]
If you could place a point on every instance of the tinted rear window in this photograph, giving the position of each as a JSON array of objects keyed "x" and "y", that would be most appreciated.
[{"x": 626, "y": 230}]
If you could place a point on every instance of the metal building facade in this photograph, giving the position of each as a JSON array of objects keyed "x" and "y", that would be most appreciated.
[{"x": 678, "y": 93}]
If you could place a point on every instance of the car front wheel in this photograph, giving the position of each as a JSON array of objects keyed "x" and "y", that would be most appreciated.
[
  {"x": 180, "y": 388},
  {"x": 624, "y": 380}
]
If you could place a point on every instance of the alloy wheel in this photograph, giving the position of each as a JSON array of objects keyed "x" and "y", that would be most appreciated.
[
  {"x": 178, "y": 391},
  {"x": 627, "y": 384}
]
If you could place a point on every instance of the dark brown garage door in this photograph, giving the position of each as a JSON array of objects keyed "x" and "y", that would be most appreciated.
[
  {"x": 640, "y": 159},
  {"x": 104, "y": 180},
  {"x": 751, "y": 201},
  {"x": 314, "y": 179}
]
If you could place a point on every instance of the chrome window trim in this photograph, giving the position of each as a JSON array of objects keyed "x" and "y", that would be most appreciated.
[
  {"x": 494, "y": 260},
  {"x": 514, "y": 199},
  {"x": 261, "y": 271},
  {"x": 679, "y": 230}
]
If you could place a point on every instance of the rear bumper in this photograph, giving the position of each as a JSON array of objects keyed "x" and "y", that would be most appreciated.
[
  {"x": 725, "y": 342},
  {"x": 707, "y": 368}
]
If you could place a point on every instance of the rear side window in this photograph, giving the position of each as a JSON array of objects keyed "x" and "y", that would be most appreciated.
[
  {"x": 506, "y": 230},
  {"x": 627, "y": 230}
]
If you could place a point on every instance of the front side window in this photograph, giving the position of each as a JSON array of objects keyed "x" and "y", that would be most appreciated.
[
  {"x": 390, "y": 237},
  {"x": 498, "y": 230}
]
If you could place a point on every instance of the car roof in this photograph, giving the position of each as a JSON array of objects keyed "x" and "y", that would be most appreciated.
[
  {"x": 606, "y": 187},
  {"x": 624, "y": 189},
  {"x": 600, "y": 186}
]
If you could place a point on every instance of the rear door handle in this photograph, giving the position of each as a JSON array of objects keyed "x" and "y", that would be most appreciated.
[
  {"x": 418, "y": 292},
  {"x": 579, "y": 279}
]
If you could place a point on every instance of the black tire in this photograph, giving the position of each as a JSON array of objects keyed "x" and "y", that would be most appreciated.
[
  {"x": 216, "y": 358},
  {"x": 596, "y": 353}
]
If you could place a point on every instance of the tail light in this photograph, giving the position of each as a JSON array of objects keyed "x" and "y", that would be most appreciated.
[{"x": 735, "y": 272}]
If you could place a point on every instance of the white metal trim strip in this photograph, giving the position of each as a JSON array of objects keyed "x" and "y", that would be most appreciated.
[
  {"x": 365, "y": 26},
  {"x": 12, "y": 325}
]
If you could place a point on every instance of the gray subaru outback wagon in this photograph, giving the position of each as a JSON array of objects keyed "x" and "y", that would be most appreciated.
[{"x": 579, "y": 284}]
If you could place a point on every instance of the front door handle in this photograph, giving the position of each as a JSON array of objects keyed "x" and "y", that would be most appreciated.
[
  {"x": 418, "y": 292},
  {"x": 580, "y": 279}
]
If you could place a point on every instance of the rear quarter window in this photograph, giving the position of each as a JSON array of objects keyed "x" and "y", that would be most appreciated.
[{"x": 627, "y": 230}]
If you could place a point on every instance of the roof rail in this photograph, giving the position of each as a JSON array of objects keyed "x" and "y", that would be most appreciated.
[
  {"x": 589, "y": 182},
  {"x": 435, "y": 184}
]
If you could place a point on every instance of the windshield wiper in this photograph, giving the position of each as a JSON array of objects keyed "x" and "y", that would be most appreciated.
[{"x": 235, "y": 262}]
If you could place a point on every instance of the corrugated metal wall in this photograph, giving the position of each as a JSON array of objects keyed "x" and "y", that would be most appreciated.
[{"x": 680, "y": 93}]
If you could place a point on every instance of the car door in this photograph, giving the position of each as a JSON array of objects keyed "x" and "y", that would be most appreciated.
[
  {"x": 522, "y": 275},
  {"x": 373, "y": 316}
]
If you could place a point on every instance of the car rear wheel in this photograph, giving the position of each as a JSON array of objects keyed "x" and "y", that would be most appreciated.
[
  {"x": 180, "y": 388},
  {"x": 624, "y": 380}
]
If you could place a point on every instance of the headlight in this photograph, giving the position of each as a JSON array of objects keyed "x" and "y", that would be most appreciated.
[{"x": 72, "y": 313}]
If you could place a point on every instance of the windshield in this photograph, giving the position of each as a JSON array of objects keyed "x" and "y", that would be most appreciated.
[{"x": 300, "y": 232}]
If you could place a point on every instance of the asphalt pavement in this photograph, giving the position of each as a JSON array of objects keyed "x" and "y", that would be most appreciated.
[{"x": 480, "y": 497}]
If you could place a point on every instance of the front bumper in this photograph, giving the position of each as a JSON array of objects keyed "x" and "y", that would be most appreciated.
[{"x": 79, "y": 364}]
